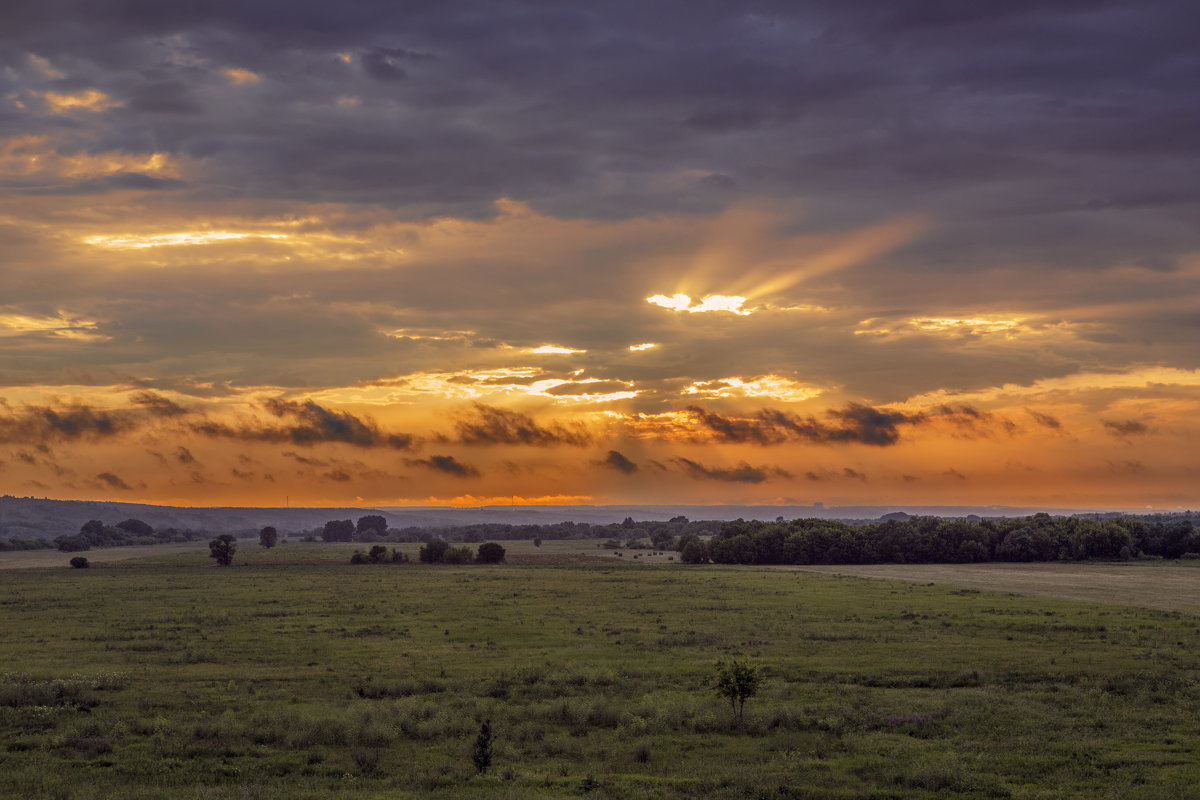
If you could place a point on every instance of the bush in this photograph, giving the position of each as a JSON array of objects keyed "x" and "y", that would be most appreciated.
[
  {"x": 694, "y": 552},
  {"x": 222, "y": 549},
  {"x": 458, "y": 555},
  {"x": 481, "y": 754},
  {"x": 490, "y": 553},
  {"x": 737, "y": 682},
  {"x": 433, "y": 552},
  {"x": 79, "y": 562}
]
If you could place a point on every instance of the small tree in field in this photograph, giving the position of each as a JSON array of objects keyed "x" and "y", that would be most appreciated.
[
  {"x": 737, "y": 682},
  {"x": 268, "y": 536},
  {"x": 79, "y": 562},
  {"x": 222, "y": 549}
]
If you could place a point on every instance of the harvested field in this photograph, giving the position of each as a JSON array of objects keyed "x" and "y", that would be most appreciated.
[{"x": 1168, "y": 586}]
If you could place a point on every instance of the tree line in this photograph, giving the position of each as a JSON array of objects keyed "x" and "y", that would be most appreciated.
[{"x": 924, "y": 540}]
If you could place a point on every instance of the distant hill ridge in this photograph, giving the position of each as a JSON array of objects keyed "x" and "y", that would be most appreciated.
[{"x": 32, "y": 518}]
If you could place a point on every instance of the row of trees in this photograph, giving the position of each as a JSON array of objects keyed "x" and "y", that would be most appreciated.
[
  {"x": 933, "y": 540},
  {"x": 437, "y": 551},
  {"x": 95, "y": 533}
]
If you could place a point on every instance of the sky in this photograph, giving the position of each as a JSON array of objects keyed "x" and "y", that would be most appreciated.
[{"x": 467, "y": 253}]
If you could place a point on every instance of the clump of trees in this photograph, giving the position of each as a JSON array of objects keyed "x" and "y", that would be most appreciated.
[
  {"x": 268, "y": 537},
  {"x": 79, "y": 562},
  {"x": 95, "y": 533}
]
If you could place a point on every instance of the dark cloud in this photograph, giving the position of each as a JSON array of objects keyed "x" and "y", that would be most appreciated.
[
  {"x": 742, "y": 473},
  {"x": 310, "y": 424},
  {"x": 854, "y": 423},
  {"x": 385, "y": 63},
  {"x": 310, "y": 462},
  {"x": 1045, "y": 420},
  {"x": 853, "y": 474},
  {"x": 953, "y": 473},
  {"x": 113, "y": 481},
  {"x": 491, "y": 425},
  {"x": 619, "y": 462},
  {"x": 41, "y": 424},
  {"x": 1129, "y": 427},
  {"x": 184, "y": 456},
  {"x": 446, "y": 464},
  {"x": 338, "y": 475},
  {"x": 165, "y": 97}
]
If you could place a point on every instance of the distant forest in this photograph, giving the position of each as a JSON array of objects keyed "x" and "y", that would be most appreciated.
[{"x": 896, "y": 539}]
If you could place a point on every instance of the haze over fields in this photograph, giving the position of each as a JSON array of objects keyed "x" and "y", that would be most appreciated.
[{"x": 467, "y": 253}]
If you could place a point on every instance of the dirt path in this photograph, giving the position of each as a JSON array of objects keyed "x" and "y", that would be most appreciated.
[{"x": 1168, "y": 586}]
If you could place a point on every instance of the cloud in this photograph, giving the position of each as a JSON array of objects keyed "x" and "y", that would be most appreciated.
[
  {"x": 742, "y": 473},
  {"x": 81, "y": 421},
  {"x": 311, "y": 424},
  {"x": 853, "y": 474},
  {"x": 1045, "y": 420},
  {"x": 492, "y": 425},
  {"x": 953, "y": 473},
  {"x": 619, "y": 462},
  {"x": 184, "y": 456},
  {"x": 445, "y": 464},
  {"x": 1123, "y": 428},
  {"x": 855, "y": 423},
  {"x": 114, "y": 481}
]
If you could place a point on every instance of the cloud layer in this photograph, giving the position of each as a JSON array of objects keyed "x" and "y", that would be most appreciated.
[{"x": 921, "y": 251}]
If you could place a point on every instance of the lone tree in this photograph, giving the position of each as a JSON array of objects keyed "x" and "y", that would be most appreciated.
[
  {"x": 737, "y": 682},
  {"x": 222, "y": 549},
  {"x": 268, "y": 536},
  {"x": 79, "y": 562}
]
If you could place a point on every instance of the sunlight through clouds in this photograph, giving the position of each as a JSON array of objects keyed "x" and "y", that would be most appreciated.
[
  {"x": 173, "y": 239},
  {"x": 712, "y": 302}
]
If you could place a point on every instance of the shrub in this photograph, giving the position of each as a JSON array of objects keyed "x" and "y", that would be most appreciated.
[
  {"x": 458, "y": 555},
  {"x": 481, "y": 754},
  {"x": 433, "y": 552},
  {"x": 737, "y": 682},
  {"x": 222, "y": 549},
  {"x": 694, "y": 552},
  {"x": 79, "y": 562},
  {"x": 490, "y": 553}
]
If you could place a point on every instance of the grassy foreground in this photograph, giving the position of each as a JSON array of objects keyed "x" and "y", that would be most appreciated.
[{"x": 301, "y": 676}]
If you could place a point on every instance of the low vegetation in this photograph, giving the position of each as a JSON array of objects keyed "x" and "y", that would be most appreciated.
[{"x": 312, "y": 678}]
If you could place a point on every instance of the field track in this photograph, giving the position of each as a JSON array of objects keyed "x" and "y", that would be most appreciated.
[{"x": 1166, "y": 586}]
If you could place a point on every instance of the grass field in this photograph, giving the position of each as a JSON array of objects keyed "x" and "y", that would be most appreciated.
[{"x": 297, "y": 675}]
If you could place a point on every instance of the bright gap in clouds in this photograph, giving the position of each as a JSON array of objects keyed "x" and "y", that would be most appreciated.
[
  {"x": 555, "y": 350},
  {"x": 168, "y": 239},
  {"x": 713, "y": 302}
]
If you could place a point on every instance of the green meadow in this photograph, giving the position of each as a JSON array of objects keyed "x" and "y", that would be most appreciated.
[{"x": 294, "y": 674}]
